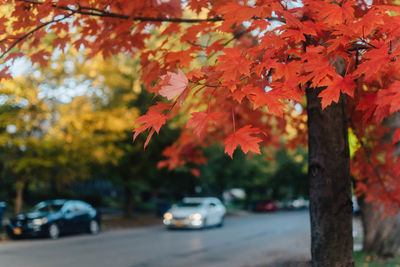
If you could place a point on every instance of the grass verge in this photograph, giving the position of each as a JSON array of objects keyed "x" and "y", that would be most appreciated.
[{"x": 363, "y": 259}]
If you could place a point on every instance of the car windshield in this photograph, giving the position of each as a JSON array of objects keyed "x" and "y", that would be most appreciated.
[
  {"x": 46, "y": 207},
  {"x": 189, "y": 204}
]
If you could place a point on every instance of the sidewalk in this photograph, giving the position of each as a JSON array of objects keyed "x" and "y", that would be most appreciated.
[{"x": 357, "y": 233}]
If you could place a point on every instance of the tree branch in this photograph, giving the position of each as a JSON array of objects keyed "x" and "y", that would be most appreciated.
[
  {"x": 90, "y": 11},
  {"x": 206, "y": 85},
  {"x": 20, "y": 39}
]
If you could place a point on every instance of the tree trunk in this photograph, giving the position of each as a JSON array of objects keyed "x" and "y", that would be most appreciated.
[
  {"x": 381, "y": 234},
  {"x": 330, "y": 183},
  {"x": 19, "y": 197},
  {"x": 128, "y": 202}
]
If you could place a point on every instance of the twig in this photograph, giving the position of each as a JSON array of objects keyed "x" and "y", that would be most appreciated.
[
  {"x": 233, "y": 120},
  {"x": 206, "y": 85},
  {"x": 18, "y": 40}
]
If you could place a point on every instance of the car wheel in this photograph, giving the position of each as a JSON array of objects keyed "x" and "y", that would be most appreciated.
[
  {"x": 54, "y": 231},
  {"x": 94, "y": 227},
  {"x": 221, "y": 223}
]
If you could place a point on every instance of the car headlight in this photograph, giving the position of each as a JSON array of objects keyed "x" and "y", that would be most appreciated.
[
  {"x": 168, "y": 216},
  {"x": 39, "y": 221},
  {"x": 196, "y": 217}
]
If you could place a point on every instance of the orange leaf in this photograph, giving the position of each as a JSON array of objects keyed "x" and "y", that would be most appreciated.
[
  {"x": 195, "y": 172},
  {"x": 329, "y": 95},
  {"x": 332, "y": 93},
  {"x": 390, "y": 97},
  {"x": 153, "y": 119},
  {"x": 233, "y": 64},
  {"x": 396, "y": 136},
  {"x": 244, "y": 138},
  {"x": 182, "y": 58},
  {"x": 199, "y": 120}
]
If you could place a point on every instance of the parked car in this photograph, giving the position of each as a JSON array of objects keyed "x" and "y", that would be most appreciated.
[
  {"x": 299, "y": 203},
  {"x": 195, "y": 212},
  {"x": 53, "y": 218},
  {"x": 266, "y": 206}
]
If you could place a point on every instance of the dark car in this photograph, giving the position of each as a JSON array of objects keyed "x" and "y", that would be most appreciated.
[
  {"x": 266, "y": 205},
  {"x": 55, "y": 217}
]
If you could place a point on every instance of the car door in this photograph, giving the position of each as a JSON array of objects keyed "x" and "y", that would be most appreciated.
[
  {"x": 68, "y": 211},
  {"x": 212, "y": 214},
  {"x": 220, "y": 211},
  {"x": 82, "y": 217}
]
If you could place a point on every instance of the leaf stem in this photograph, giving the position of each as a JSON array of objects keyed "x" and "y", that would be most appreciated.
[{"x": 233, "y": 120}]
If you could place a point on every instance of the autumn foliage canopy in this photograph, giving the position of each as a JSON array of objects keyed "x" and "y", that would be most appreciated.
[{"x": 236, "y": 71}]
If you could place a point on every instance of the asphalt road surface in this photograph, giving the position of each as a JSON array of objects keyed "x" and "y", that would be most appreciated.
[{"x": 249, "y": 240}]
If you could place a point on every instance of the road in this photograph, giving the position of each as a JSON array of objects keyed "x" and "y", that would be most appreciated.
[{"x": 249, "y": 240}]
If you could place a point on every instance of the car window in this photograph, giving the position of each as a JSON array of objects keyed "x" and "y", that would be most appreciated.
[
  {"x": 81, "y": 206},
  {"x": 189, "y": 204},
  {"x": 46, "y": 207},
  {"x": 69, "y": 206}
]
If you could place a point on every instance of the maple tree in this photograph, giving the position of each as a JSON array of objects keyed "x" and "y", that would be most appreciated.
[{"x": 239, "y": 70}]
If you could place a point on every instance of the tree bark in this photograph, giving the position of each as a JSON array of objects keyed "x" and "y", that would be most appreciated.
[
  {"x": 128, "y": 202},
  {"x": 330, "y": 183},
  {"x": 19, "y": 197}
]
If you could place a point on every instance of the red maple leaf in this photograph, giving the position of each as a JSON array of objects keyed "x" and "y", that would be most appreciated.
[
  {"x": 244, "y": 138},
  {"x": 331, "y": 94},
  {"x": 195, "y": 172},
  {"x": 336, "y": 14},
  {"x": 152, "y": 120},
  {"x": 396, "y": 136},
  {"x": 199, "y": 120},
  {"x": 390, "y": 97},
  {"x": 42, "y": 57},
  {"x": 182, "y": 58},
  {"x": 260, "y": 98},
  {"x": 232, "y": 64},
  {"x": 176, "y": 84},
  {"x": 5, "y": 74},
  {"x": 197, "y": 5}
]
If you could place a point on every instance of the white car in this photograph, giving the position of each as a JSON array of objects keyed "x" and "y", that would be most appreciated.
[{"x": 195, "y": 212}]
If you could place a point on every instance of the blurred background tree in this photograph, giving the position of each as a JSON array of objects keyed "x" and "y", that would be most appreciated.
[
  {"x": 23, "y": 123},
  {"x": 261, "y": 178}
]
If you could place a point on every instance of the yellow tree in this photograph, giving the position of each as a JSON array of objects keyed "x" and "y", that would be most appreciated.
[
  {"x": 23, "y": 122},
  {"x": 53, "y": 138}
]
